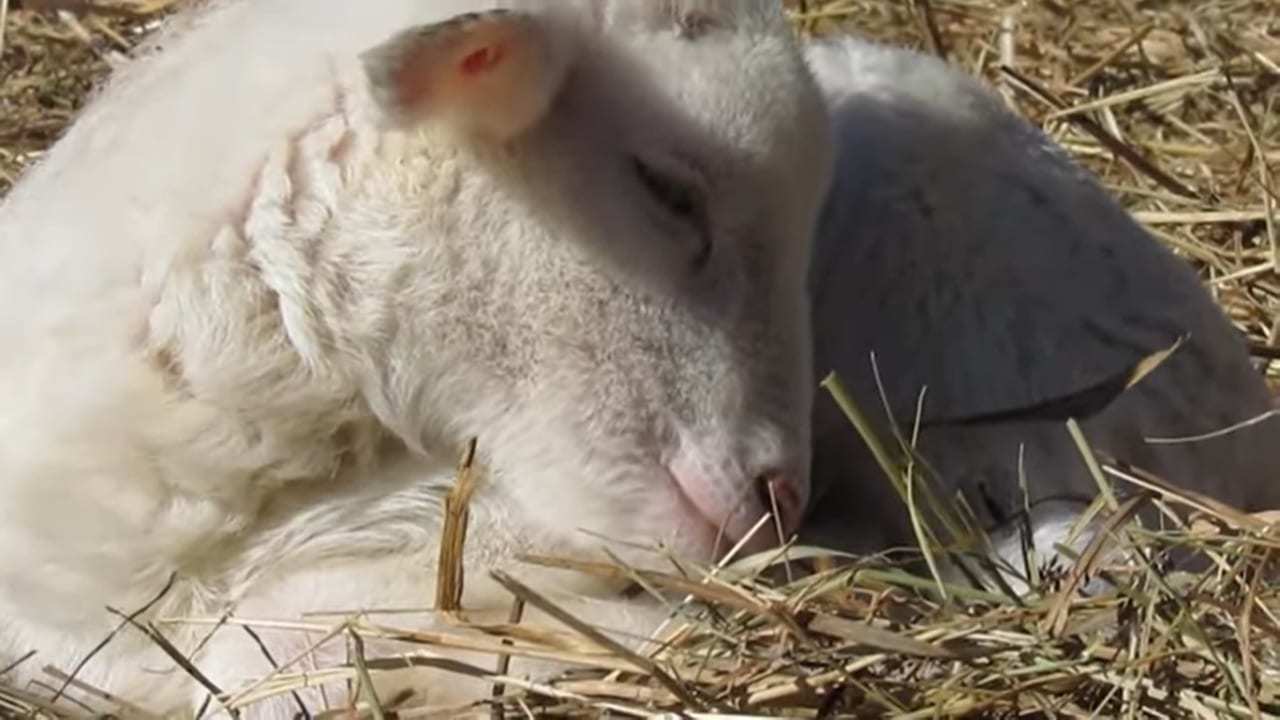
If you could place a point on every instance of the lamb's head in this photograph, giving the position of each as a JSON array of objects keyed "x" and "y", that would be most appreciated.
[{"x": 606, "y": 208}]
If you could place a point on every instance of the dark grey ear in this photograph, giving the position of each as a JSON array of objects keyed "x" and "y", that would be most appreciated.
[{"x": 493, "y": 73}]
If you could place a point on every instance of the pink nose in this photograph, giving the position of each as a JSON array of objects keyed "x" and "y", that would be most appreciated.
[
  {"x": 782, "y": 494},
  {"x": 736, "y": 509}
]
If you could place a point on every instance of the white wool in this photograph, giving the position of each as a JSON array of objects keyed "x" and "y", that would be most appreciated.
[{"x": 249, "y": 325}]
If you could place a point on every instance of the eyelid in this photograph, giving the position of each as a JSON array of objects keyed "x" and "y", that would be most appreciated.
[
  {"x": 666, "y": 175},
  {"x": 680, "y": 167},
  {"x": 687, "y": 180},
  {"x": 658, "y": 182},
  {"x": 689, "y": 172}
]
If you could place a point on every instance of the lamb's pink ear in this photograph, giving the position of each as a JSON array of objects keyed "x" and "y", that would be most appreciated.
[{"x": 493, "y": 73}]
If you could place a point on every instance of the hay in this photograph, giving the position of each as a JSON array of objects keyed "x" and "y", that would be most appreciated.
[
  {"x": 1177, "y": 109},
  {"x": 50, "y": 63},
  {"x": 871, "y": 639}
]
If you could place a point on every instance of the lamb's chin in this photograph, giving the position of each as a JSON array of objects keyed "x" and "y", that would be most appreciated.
[
  {"x": 681, "y": 533},
  {"x": 650, "y": 542}
]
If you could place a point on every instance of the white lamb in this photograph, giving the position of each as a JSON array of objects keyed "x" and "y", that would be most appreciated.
[
  {"x": 982, "y": 266},
  {"x": 276, "y": 276}
]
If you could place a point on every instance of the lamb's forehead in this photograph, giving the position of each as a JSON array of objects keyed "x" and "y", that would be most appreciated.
[
  {"x": 733, "y": 64},
  {"x": 754, "y": 92},
  {"x": 689, "y": 16}
]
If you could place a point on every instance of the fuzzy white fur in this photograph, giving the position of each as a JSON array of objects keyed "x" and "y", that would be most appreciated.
[
  {"x": 982, "y": 266},
  {"x": 250, "y": 321}
]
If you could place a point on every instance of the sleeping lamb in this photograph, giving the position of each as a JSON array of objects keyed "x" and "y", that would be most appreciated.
[{"x": 278, "y": 275}]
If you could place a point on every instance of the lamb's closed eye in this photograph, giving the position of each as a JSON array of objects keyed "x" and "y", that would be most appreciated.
[{"x": 683, "y": 200}]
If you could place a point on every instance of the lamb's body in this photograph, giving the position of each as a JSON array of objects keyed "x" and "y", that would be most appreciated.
[
  {"x": 263, "y": 292},
  {"x": 980, "y": 264}
]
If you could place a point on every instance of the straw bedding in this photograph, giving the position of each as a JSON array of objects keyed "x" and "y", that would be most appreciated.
[{"x": 1176, "y": 106}]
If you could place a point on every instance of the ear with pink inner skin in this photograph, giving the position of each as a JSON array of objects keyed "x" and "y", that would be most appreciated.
[{"x": 491, "y": 74}]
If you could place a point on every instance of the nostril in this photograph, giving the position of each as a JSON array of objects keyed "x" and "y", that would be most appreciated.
[
  {"x": 732, "y": 503},
  {"x": 780, "y": 493}
]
